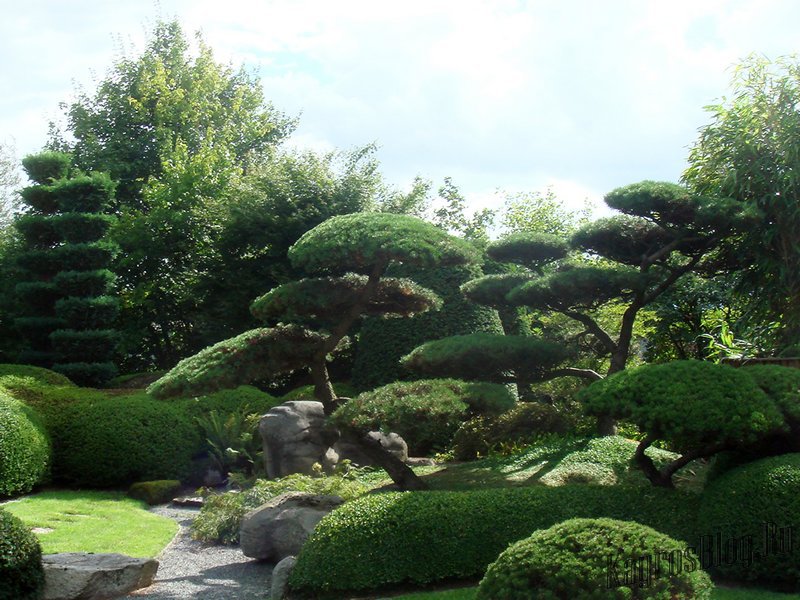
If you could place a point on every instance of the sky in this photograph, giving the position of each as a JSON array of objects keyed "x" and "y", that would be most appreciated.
[{"x": 503, "y": 96}]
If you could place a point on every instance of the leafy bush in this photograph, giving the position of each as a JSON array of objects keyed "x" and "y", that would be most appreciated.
[
  {"x": 425, "y": 413},
  {"x": 221, "y": 515},
  {"x": 306, "y": 392},
  {"x": 93, "y": 345},
  {"x": 21, "y": 571},
  {"x": 520, "y": 425},
  {"x": 422, "y": 537},
  {"x": 112, "y": 441},
  {"x": 88, "y": 312},
  {"x": 24, "y": 447},
  {"x": 746, "y": 501},
  {"x": 155, "y": 492},
  {"x": 595, "y": 559}
]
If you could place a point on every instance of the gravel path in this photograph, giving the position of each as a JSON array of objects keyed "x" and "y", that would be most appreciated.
[{"x": 189, "y": 569}]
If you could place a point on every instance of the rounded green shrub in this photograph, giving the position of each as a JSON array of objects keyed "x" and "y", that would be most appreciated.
[
  {"x": 755, "y": 511},
  {"x": 87, "y": 373},
  {"x": 36, "y": 374},
  {"x": 390, "y": 539},
  {"x": 521, "y": 425},
  {"x": 24, "y": 447},
  {"x": 115, "y": 441},
  {"x": 21, "y": 571},
  {"x": 425, "y": 413},
  {"x": 155, "y": 492},
  {"x": 596, "y": 559}
]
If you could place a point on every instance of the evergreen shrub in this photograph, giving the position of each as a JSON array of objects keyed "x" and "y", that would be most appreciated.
[
  {"x": 760, "y": 499},
  {"x": 116, "y": 441},
  {"x": 21, "y": 570},
  {"x": 426, "y": 413},
  {"x": 423, "y": 537},
  {"x": 24, "y": 447},
  {"x": 84, "y": 283},
  {"x": 155, "y": 492},
  {"x": 585, "y": 559},
  {"x": 88, "y": 313},
  {"x": 519, "y": 426},
  {"x": 46, "y": 167},
  {"x": 93, "y": 345},
  {"x": 87, "y": 373}
]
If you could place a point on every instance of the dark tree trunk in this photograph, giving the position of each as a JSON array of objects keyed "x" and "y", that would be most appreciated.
[{"x": 402, "y": 475}]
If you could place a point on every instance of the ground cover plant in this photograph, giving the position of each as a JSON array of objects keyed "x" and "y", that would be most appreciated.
[{"x": 93, "y": 521}]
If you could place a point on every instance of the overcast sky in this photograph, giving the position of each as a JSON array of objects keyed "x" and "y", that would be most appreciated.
[{"x": 581, "y": 95}]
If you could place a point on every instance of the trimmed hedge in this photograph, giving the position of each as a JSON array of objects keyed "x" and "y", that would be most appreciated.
[
  {"x": 84, "y": 283},
  {"x": 46, "y": 167},
  {"x": 596, "y": 559},
  {"x": 745, "y": 502},
  {"x": 423, "y": 537},
  {"x": 21, "y": 571},
  {"x": 24, "y": 447},
  {"x": 425, "y": 413},
  {"x": 116, "y": 441},
  {"x": 87, "y": 373},
  {"x": 36, "y": 374}
]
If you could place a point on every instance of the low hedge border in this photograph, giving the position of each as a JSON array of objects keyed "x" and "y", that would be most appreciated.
[{"x": 384, "y": 540}]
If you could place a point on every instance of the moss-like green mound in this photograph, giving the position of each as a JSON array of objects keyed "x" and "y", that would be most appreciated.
[{"x": 596, "y": 559}]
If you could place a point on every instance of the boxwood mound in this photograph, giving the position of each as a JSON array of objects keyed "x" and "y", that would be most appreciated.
[
  {"x": 24, "y": 447},
  {"x": 389, "y": 539},
  {"x": 21, "y": 571},
  {"x": 759, "y": 500},
  {"x": 596, "y": 559}
]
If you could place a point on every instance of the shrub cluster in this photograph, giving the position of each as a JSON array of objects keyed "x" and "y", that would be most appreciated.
[
  {"x": 221, "y": 516},
  {"x": 394, "y": 538},
  {"x": 595, "y": 559},
  {"x": 749, "y": 501},
  {"x": 425, "y": 413},
  {"x": 24, "y": 447},
  {"x": 521, "y": 425},
  {"x": 21, "y": 571},
  {"x": 155, "y": 492}
]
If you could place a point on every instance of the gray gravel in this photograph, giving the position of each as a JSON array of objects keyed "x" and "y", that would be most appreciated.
[{"x": 190, "y": 569}]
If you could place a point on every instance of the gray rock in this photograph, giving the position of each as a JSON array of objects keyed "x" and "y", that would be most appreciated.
[
  {"x": 395, "y": 444},
  {"x": 84, "y": 576},
  {"x": 295, "y": 436},
  {"x": 280, "y": 527},
  {"x": 280, "y": 578}
]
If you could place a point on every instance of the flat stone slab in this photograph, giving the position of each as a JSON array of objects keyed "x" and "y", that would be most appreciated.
[{"x": 86, "y": 576}]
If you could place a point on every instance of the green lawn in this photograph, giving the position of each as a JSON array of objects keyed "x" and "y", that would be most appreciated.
[{"x": 90, "y": 521}]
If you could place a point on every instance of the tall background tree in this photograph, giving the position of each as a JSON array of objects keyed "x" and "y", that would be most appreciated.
[
  {"x": 750, "y": 152},
  {"x": 177, "y": 130}
]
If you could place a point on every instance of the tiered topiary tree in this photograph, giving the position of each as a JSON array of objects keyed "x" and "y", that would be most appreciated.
[
  {"x": 38, "y": 293},
  {"x": 68, "y": 259},
  {"x": 311, "y": 317},
  {"x": 664, "y": 233}
]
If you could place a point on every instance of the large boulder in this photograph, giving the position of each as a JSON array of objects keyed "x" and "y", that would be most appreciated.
[
  {"x": 391, "y": 442},
  {"x": 280, "y": 527},
  {"x": 295, "y": 436},
  {"x": 84, "y": 576}
]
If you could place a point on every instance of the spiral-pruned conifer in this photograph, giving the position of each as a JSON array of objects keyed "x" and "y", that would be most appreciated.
[
  {"x": 69, "y": 308},
  {"x": 307, "y": 320}
]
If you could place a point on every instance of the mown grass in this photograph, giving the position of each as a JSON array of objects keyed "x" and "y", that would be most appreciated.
[{"x": 92, "y": 521}]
